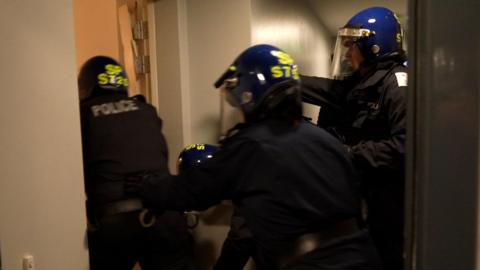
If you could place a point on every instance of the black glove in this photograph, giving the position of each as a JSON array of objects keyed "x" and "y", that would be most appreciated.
[
  {"x": 151, "y": 188},
  {"x": 134, "y": 184},
  {"x": 348, "y": 149}
]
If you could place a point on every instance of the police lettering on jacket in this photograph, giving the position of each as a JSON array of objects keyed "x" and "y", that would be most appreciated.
[{"x": 121, "y": 106}]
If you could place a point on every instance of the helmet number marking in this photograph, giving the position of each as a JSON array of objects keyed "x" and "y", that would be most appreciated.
[
  {"x": 398, "y": 37},
  {"x": 195, "y": 146},
  {"x": 112, "y": 75},
  {"x": 284, "y": 72},
  {"x": 286, "y": 67}
]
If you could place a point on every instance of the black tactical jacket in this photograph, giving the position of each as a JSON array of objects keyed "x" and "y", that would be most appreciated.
[
  {"x": 121, "y": 136},
  {"x": 368, "y": 114},
  {"x": 284, "y": 180}
]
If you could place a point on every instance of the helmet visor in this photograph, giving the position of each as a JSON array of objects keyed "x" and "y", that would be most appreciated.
[
  {"x": 230, "y": 113},
  {"x": 341, "y": 63},
  {"x": 226, "y": 89}
]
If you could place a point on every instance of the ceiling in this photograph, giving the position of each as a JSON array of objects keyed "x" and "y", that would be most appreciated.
[{"x": 335, "y": 13}]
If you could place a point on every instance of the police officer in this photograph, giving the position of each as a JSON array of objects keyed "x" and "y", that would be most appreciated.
[
  {"x": 239, "y": 245},
  {"x": 190, "y": 157},
  {"x": 292, "y": 181},
  {"x": 365, "y": 108},
  {"x": 122, "y": 137}
]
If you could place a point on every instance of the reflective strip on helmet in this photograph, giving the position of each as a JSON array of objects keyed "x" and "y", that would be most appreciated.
[{"x": 354, "y": 32}]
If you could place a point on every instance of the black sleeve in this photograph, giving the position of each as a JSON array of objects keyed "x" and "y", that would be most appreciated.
[
  {"x": 389, "y": 152},
  {"x": 163, "y": 140},
  {"x": 208, "y": 184},
  {"x": 329, "y": 95},
  {"x": 322, "y": 91},
  {"x": 159, "y": 121}
]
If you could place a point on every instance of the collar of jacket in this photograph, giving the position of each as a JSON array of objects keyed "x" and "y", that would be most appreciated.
[
  {"x": 103, "y": 94},
  {"x": 376, "y": 74}
]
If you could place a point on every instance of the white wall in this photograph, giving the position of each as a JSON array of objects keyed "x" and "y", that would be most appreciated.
[
  {"x": 218, "y": 31},
  {"x": 41, "y": 180},
  {"x": 170, "y": 75},
  {"x": 293, "y": 26}
]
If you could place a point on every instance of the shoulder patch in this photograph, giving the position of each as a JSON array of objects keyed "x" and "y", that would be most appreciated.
[{"x": 402, "y": 78}]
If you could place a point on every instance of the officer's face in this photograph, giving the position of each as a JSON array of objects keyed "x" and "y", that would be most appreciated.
[{"x": 354, "y": 56}]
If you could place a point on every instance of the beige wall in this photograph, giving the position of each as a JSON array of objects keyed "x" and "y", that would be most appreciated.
[
  {"x": 96, "y": 29},
  {"x": 41, "y": 180}
]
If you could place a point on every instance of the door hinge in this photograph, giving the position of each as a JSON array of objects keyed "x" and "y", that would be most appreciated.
[
  {"x": 142, "y": 64},
  {"x": 140, "y": 30}
]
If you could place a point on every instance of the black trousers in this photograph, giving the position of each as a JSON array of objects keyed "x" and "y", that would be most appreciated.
[
  {"x": 119, "y": 241},
  {"x": 351, "y": 252},
  {"x": 238, "y": 247},
  {"x": 385, "y": 221},
  {"x": 386, "y": 229}
]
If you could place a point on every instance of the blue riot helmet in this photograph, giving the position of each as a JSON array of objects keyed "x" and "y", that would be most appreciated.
[
  {"x": 101, "y": 74},
  {"x": 193, "y": 155},
  {"x": 259, "y": 79},
  {"x": 375, "y": 31}
]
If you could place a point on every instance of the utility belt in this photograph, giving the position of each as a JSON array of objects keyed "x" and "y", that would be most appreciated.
[
  {"x": 312, "y": 241},
  {"x": 146, "y": 218}
]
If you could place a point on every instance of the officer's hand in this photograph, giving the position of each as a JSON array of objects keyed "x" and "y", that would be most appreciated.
[
  {"x": 348, "y": 149},
  {"x": 134, "y": 184},
  {"x": 150, "y": 188}
]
